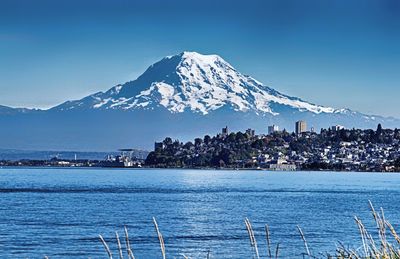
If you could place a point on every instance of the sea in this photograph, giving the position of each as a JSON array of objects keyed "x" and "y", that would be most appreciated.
[{"x": 60, "y": 212}]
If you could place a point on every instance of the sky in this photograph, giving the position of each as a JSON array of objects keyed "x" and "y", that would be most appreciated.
[{"x": 343, "y": 54}]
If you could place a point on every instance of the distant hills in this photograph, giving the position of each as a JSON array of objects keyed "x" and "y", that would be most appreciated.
[
  {"x": 15, "y": 155},
  {"x": 182, "y": 96}
]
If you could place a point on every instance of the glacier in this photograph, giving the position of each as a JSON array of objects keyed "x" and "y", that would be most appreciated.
[{"x": 193, "y": 82}]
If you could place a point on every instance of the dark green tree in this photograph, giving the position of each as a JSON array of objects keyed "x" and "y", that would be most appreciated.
[
  {"x": 167, "y": 141},
  {"x": 198, "y": 142},
  {"x": 207, "y": 139}
]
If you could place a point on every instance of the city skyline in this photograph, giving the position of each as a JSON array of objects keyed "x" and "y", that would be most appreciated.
[{"x": 335, "y": 54}]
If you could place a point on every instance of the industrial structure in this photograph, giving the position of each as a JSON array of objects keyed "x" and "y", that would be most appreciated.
[{"x": 125, "y": 159}]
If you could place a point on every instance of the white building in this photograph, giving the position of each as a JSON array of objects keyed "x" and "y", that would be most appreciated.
[
  {"x": 272, "y": 129},
  {"x": 337, "y": 128}
]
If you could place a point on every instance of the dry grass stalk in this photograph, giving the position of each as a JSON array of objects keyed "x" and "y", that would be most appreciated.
[
  {"x": 362, "y": 234},
  {"x": 253, "y": 241},
  {"x": 160, "y": 238},
  {"x": 386, "y": 250},
  {"x": 119, "y": 245},
  {"x": 128, "y": 245},
  {"x": 369, "y": 248},
  {"x": 305, "y": 241},
  {"x": 277, "y": 251},
  {"x": 267, "y": 236},
  {"x": 393, "y": 232},
  {"x": 208, "y": 254},
  {"x": 106, "y": 247}
]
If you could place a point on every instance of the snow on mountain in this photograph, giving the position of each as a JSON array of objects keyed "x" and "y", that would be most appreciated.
[
  {"x": 193, "y": 82},
  {"x": 183, "y": 97}
]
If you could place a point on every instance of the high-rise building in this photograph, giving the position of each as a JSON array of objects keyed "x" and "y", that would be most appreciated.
[
  {"x": 272, "y": 129},
  {"x": 251, "y": 132},
  {"x": 301, "y": 127},
  {"x": 337, "y": 128},
  {"x": 225, "y": 131}
]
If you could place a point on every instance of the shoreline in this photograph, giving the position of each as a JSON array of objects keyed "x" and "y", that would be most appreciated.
[{"x": 189, "y": 168}]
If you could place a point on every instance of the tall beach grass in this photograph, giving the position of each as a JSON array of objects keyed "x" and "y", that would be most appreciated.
[{"x": 385, "y": 244}]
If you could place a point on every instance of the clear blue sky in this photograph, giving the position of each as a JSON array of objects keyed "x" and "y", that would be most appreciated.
[{"x": 335, "y": 53}]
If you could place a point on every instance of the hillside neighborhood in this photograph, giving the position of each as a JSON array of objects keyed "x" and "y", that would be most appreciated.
[{"x": 335, "y": 148}]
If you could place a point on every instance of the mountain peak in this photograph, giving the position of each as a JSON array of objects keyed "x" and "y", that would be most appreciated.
[
  {"x": 190, "y": 58},
  {"x": 195, "y": 55},
  {"x": 194, "y": 82},
  {"x": 202, "y": 58}
]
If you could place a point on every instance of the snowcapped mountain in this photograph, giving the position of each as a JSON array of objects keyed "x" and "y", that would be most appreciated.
[
  {"x": 183, "y": 96},
  {"x": 194, "y": 82}
]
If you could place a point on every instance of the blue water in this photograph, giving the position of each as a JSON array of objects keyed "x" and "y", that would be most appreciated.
[{"x": 60, "y": 212}]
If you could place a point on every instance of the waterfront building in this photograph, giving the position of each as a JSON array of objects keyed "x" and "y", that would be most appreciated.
[{"x": 281, "y": 164}]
